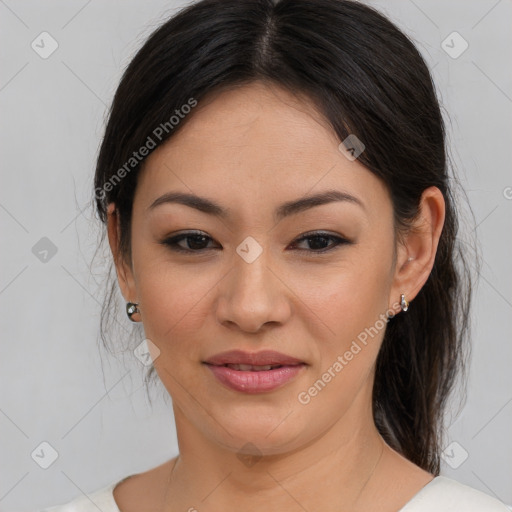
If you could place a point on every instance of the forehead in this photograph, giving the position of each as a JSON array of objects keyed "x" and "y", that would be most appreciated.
[
  {"x": 257, "y": 118},
  {"x": 256, "y": 141},
  {"x": 256, "y": 105}
]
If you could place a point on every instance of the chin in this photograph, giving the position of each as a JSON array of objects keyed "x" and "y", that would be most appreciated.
[{"x": 259, "y": 433}]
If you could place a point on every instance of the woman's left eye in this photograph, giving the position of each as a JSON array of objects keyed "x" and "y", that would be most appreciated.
[
  {"x": 195, "y": 239},
  {"x": 320, "y": 238}
]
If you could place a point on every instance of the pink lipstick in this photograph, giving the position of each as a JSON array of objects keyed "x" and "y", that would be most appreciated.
[{"x": 254, "y": 372}]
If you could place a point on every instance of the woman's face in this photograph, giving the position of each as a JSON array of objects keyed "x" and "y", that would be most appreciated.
[{"x": 251, "y": 284}]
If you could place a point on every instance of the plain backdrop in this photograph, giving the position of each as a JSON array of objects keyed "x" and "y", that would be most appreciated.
[{"x": 60, "y": 396}]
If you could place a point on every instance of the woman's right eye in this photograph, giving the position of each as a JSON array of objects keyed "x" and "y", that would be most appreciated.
[{"x": 193, "y": 241}]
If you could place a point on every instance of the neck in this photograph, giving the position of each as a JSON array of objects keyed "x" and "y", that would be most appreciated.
[{"x": 332, "y": 472}]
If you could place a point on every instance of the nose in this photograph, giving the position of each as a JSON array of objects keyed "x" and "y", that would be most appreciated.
[{"x": 253, "y": 295}]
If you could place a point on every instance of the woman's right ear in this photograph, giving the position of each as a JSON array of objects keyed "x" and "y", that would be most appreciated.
[
  {"x": 113, "y": 229},
  {"x": 124, "y": 273}
]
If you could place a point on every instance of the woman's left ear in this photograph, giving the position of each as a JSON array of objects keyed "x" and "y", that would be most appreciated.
[{"x": 416, "y": 251}]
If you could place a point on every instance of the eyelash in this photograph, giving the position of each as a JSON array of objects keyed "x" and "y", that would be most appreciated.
[{"x": 172, "y": 242}]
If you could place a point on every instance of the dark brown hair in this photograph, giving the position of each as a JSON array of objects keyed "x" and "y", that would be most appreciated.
[{"x": 368, "y": 79}]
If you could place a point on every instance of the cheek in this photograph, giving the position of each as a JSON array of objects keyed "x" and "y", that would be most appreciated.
[
  {"x": 351, "y": 296},
  {"x": 353, "y": 306},
  {"x": 173, "y": 300},
  {"x": 174, "y": 314},
  {"x": 169, "y": 293},
  {"x": 350, "y": 306}
]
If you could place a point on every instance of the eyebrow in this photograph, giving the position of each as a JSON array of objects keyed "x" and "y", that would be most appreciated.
[{"x": 208, "y": 206}]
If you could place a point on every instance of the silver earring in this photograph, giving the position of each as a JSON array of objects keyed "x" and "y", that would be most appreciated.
[
  {"x": 131, "y": 309},
  {"x": 404, "y": 304}
]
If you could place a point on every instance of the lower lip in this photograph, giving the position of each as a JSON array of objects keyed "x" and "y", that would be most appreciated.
[{"x": 255, "y": 382}]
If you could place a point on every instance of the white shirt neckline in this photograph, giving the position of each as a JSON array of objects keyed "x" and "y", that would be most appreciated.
[{"x": 109, "y": 491}]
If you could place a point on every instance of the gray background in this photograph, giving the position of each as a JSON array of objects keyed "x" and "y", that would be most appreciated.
[{"x": 54, "y": 387}]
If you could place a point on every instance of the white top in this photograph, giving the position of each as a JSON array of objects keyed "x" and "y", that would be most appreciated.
[{"x": 441, "y": 494}]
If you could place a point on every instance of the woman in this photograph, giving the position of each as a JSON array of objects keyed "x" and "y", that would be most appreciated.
[{"x": 274, "y": 184}]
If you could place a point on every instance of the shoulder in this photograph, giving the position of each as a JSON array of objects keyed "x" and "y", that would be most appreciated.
[
  {"x": 102, "y": 499},
  {"x": 444, "y": 494},
  {"x": 134, "y": 492}
]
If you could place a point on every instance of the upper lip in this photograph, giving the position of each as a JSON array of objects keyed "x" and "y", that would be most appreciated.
[{"x": 262, "y": 358}]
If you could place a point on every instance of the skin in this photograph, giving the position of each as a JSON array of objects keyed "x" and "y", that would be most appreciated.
[{"x": 250, "y": 150}]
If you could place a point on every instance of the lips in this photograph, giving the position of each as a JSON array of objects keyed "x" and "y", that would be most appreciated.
[
  {"x": 252, "y": 368},
  {"x": 255, "y": 359},
  {"x": 254, "y": 372}
]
